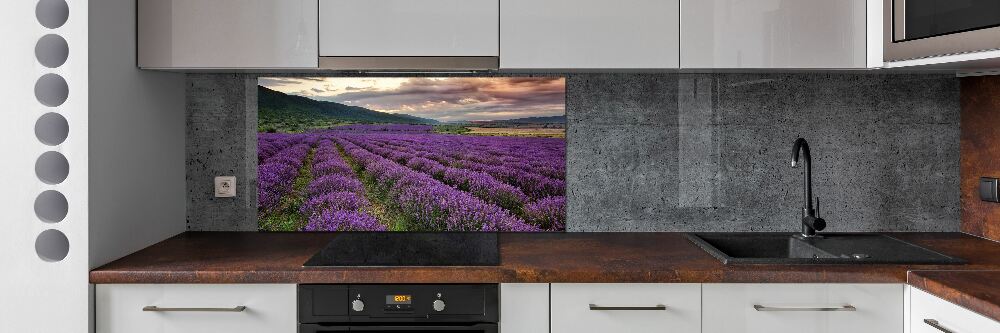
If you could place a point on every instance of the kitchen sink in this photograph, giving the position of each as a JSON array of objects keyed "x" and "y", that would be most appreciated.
[{"x": 836, "y": 248}]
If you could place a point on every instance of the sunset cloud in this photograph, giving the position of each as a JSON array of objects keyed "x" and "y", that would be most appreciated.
[{"x": 443, "y": 99}]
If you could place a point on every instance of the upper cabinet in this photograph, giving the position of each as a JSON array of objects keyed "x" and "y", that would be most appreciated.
[
  {"x": 780, "y": 34},
  {"x": 224, "y": 34},
  {"x": 589, "y": 34},
  {"x": 427, "y": 34}
]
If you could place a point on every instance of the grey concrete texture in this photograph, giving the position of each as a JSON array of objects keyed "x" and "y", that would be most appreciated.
[
  {"x": 684, "y": 152},
  {"x": 221, "y": 141},
  {"x": 712, "y": 152}
]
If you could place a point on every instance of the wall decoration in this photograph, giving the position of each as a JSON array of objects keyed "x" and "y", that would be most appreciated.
[{"x": 412, "y": 154}]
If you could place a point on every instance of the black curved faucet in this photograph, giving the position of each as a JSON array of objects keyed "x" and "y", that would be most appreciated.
[{"x": 810, "y": 221}]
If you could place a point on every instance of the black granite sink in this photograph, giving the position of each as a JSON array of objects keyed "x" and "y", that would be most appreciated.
[{"x": 835, "y": 248}]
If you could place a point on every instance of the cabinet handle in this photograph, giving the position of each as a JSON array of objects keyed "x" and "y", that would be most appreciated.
[
  {"x": 935, "y": 324},
  {"x": 759, "y": 307},
  {"x": 159, "y": 309},
  {"x": 596, "y": 307}
]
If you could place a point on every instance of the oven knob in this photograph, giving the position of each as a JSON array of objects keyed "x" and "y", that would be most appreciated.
[
  {"x": 358, "y": 305},
  {"x": 438, "y": 305}
]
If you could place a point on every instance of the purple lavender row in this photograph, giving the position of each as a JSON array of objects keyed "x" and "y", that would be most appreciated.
[
  {"x": 527, "y": 183},
  {"x": 276, "y": 175},
  {"x": 430, "y": 204},
  {"x": 479, "y": 184},
  {"x": 531, "y": 154},
  {"x": 549, "y": 162},
  {"x": 336, "y": 197}
]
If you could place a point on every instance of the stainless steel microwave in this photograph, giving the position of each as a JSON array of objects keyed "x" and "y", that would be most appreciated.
[{"x": 916, "y": 29}]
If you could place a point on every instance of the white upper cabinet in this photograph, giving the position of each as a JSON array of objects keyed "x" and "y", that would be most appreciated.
[
  {"x": 572, "y": 34},
  {"x": 408, "y": 28},
  {"x": 227, "y": 34},
  {"x": 780, "y": 34}
]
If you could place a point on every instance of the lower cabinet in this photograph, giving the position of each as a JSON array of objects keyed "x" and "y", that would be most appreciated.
[
  {"x": 634, "y": 308},
  {"x": 180, "y": 308},
  {"x": 524, "y": 308},
  {"x": 802, "y": 308},
  {"x": 930, "y": 314}
]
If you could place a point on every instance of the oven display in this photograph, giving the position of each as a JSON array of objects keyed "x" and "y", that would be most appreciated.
[{"x": 398, "y": 299}]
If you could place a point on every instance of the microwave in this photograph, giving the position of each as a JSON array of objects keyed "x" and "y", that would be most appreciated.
[{"x": 915, "y": 29}]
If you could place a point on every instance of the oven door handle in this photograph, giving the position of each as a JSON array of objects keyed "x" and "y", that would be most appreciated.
[{"x": 484, "y": 328}]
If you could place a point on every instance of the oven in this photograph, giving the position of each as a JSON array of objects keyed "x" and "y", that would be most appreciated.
[
  {"x": 376, "y": 308},
  {"x": 914, "y": 29}
]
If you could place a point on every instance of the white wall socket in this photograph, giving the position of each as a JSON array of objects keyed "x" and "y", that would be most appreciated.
[{"x": 225, "y": 187}]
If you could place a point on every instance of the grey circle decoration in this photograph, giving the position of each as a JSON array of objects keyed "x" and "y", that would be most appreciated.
[
  {"x": 51, "y": 51},
  {"x": 51, "y": 206},
  {"x": 51, "y": 90},
  {"x": 51, "y": 129},
  {"x": 52, "y": 245},
  {"x": 52, "y": 167},
  {"x": 52, "y": 13}
]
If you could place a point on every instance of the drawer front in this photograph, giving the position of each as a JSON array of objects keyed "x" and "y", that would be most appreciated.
[
  {"x": 269, "y": 308},
  {"x": 634, "y": 308},
  {"x": 803, "y": 308},
  {"x": 946, "y": 315}
]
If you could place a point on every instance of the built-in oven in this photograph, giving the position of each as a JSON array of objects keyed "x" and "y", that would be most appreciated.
[
  {"x": 374, "y": 308},
  {"x": 916, "y": 29}
]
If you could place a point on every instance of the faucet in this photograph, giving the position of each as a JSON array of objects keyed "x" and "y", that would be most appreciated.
[{"x": 810, "y": 221}]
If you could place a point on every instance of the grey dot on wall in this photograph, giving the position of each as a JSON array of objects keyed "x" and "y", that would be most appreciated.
[
  {"x": 52, "y": 13},
  {"x": 51, "y": 90},
  {"x": 51, "y": 51},
  {"x": 51, "y": 206},
  {"x": 52, "y": 245},
  {"x": 52, "y": 168},
  {"x": 51, "y": 129}
]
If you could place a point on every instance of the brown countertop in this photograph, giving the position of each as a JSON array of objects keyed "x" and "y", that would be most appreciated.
[
  {"x": 978, "y": 291},
  {"x": 250, "y": 257}
]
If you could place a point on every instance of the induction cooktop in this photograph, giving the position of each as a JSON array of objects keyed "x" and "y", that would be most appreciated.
[{"x": 409, "y": 249}]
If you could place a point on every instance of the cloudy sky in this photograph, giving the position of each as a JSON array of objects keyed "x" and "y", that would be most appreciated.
[{"x": 442, "y": 99}]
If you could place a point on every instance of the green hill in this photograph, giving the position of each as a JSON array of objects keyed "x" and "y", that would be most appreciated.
[{"x": 280, "y": 112}]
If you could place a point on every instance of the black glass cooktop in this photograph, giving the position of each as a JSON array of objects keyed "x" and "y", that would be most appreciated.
[{"x": 409, "y": 249}]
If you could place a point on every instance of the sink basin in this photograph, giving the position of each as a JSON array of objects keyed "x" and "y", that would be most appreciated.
[{"x": 787, "y": 248}]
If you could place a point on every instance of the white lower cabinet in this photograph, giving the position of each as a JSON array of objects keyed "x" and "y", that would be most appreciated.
[
  {"x": 180, "y": 308},
  {"x": 634, "y": 308},
  {"x": 524, "y": 308},
  {"x": 802, "y": 308},
  {"x": 930, "y": 314}
]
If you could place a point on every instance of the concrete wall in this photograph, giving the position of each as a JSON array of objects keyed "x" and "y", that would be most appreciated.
[{"x": 687, "y": 152}]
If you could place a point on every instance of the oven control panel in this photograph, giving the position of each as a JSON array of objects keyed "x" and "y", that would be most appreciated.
[{"x": 329, "y": 303}]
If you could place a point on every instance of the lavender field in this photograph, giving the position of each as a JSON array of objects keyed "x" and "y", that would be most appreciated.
[{"x": 394, "y": 177}]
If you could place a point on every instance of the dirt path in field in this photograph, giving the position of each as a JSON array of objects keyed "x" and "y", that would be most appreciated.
[
  {"x": 381, "y": 206},
  {"x": 288, "y": 218}
]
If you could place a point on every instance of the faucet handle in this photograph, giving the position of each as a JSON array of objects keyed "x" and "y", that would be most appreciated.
[{"x": 817, "y": 206}]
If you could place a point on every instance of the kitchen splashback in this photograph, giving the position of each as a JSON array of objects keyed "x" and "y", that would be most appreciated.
[{"x": 682, "y": 152}]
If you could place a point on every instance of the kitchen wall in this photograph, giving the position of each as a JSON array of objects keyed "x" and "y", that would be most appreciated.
[
  {"x": 980, "y": 152},
  {"x": 684, "y": 152}
]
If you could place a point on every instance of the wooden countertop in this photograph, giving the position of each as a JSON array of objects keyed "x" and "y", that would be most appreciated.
[
  {"x": 250, "y": 257},
  {"x": 978, "y": 291}
]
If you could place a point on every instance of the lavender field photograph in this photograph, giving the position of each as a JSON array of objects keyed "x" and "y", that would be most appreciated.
[{"x": 411, "y": 154}]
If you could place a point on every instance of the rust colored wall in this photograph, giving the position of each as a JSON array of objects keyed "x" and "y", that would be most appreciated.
[{"x": 980, "y": 150}]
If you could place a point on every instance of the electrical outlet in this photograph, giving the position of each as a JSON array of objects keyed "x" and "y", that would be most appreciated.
[{"x": 225, "y": 187}]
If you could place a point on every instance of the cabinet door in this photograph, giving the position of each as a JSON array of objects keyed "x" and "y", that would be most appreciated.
[
  {"x": 774, "y": 34},
  {"x": 633, "y": 308},
  {"x": 269, "y": 308},
  {"x": 227, "y": 34},
  {"x": 927, "y": 310},
  {"x": 584, "y": 34},
  {"x": 524, "y": 308},
  {"x": 803, "y": 308},
  {"x": 407, "y": 28}
]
